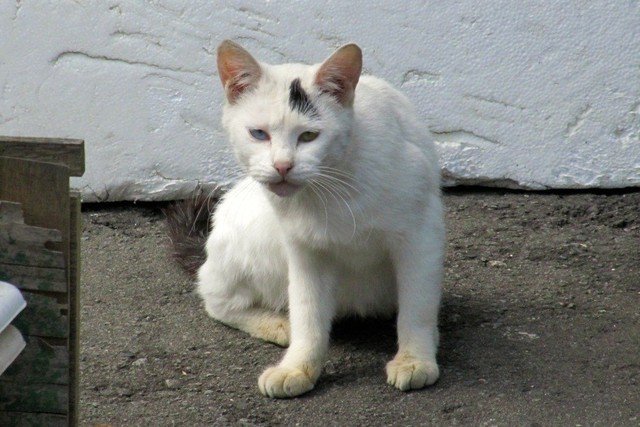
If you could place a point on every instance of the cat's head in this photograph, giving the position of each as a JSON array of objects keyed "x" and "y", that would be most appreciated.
[{"x": 288, "y": 124}]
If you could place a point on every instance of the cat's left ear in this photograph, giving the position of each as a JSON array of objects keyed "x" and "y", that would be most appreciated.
[
  {"x": 339, "y": 74},
  {"x": 237, "y": 68}
]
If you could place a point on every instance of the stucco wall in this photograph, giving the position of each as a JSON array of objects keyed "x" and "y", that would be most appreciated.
[{"x": 534, "y": 94}]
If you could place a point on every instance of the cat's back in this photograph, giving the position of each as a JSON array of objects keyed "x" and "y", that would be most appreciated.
[
  {"x": 380, "y": 106},
  {"x": 389, "y": 129},
  {"x": 371, "y": 85},
  {"x": 377, "y": 95}
]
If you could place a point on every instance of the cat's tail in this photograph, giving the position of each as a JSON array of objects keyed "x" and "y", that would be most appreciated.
[{"x": 188, "y": 225}]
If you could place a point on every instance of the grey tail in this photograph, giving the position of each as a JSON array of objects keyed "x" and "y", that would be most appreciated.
[{"x": 188, "y": 225}]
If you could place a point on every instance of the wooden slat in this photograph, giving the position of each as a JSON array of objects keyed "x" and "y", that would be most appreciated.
[
  {"x": 41, "y": 185},
  {"x": 25, "y": 254},
  {"x": 30, "y": 419},
  {"x": 51, "y": 398},
  {"x": 39, "y": 363},
  {"x": 75, "y": 233},
  {"x": 43, "y": 191},
  {"x": 67, "y": 152},
  {"x": 27, "y": 234},
  {"x": 11, "y": 212},
  {"x": 23, "y": 247},
  {"x": 34, "y": 278},
  {"x": 43, "y": 316}
]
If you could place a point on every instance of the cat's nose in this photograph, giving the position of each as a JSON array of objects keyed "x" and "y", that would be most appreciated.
[{"x": 283, "y": 167}]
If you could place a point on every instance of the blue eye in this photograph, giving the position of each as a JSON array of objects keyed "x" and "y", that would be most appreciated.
[{"x": 259, "y": 134}]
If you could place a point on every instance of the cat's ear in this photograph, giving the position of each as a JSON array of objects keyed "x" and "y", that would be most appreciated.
[
  {"x": 237, "y": 68},
  {"x": 339, "y": 74}
]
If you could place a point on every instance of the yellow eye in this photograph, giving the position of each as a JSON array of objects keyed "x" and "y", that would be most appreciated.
[{"x": 308, "y": 136}]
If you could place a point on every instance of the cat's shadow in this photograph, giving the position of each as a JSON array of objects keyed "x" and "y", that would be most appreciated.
[
  {"x": 369, "y": 334},
  {"x": 473, "y": 345}
]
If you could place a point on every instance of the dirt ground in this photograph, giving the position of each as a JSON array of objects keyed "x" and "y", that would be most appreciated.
[{"x": 540, "y": 325}]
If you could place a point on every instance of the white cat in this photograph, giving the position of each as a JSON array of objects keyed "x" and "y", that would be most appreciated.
[{"x": 340, "y": 214}]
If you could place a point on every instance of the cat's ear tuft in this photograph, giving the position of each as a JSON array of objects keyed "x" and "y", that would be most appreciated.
[
  {"x": 339, "y": 74},
  {"x": 237, "y": 68}
]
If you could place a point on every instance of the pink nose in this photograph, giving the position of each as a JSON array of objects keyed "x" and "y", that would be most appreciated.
[{"x": 283, "y": 167}]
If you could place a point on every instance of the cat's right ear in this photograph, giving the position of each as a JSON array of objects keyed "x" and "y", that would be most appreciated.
[
  {"x": 237, "y": 68},
  {"x": 339, "y": 74}
]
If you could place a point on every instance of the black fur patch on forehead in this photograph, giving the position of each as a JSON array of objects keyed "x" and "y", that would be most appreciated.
[{"x": 299, "y": 100}]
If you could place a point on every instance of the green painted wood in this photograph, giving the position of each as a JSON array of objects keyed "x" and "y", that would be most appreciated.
[
  {"x": 14, "y": 253},
  {"x": 22, "y": 244},
  {"x": 34, "y": 278},
  {"x": 43, "y": 316},
  {"x": 43, "y": 191},
  {"x": 19, "y": 397},
  {"x": 28, "y": 235},
  {"x": 40, "y": 186},
  {"x": 29, "y": 419},
  {"x": 11, "y": 212},
  {"x": 40, "y": 362}
]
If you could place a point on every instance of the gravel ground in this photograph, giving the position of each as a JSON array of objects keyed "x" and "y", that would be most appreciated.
[{"x": 540, "y": 325}]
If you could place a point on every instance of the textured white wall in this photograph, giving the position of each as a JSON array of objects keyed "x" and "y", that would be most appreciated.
[{"x": 534, "y": 94}]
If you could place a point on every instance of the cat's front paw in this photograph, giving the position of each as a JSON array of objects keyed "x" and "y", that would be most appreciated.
[
  {"x": 282, "y": 382},
  {"x": 406, "y": 372}
]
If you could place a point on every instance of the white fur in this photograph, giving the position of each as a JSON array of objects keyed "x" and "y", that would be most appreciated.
[{"x": 366, "y": 241}]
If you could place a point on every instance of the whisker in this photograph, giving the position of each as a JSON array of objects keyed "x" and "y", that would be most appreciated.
[
  {"x": 354, "y": 184},
  {"x": 324, "y": 204},
  {"x": 340, "y": 181},
  {"x": 334, "y": 185},
  {"x": 330, "y": 187},
  {"x": 337, "y": 171}
]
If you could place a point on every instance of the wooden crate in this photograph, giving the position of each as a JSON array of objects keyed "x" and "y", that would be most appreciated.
[{"x": 40, "y": 253}]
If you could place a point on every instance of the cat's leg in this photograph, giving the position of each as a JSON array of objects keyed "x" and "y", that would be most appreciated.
[
  {"x": 418, "y": 259},
  {"x": 260, "y": 323},
  {"x": 311, "y": 310},
  {"x": 232, "y": 304}
]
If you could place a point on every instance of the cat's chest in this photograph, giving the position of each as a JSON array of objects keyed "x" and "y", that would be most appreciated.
[
  {"x": 354, "y": 249},
  {"x": 343, "y": 222},
  {"x": 362, "y": 254},
  {"x": 327, "y": 228}
]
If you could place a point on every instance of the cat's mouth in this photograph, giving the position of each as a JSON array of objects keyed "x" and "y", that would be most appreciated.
[{"x": 283, "y": 188}]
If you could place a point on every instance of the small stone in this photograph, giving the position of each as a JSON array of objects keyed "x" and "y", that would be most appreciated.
[
  {"x": 329, "y": 367},
  {"x": 128, "y": 354},
  {"x": 497, "y": 264},
  {"x": 469, "y": 255},
  {"x": 124, "y": 392},
  {"x": 529, "y": 335},
  {"x": 139, "y": 362},
  {"x": 172, "y": 384},
  {"x": 241, "y": 404}
]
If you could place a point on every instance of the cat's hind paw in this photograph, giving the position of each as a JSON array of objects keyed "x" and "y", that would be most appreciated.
[
  {"x": 273, "y": 329},
  {"x": 406, "y": 372},
  {"x": 283, "y": 382}
]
